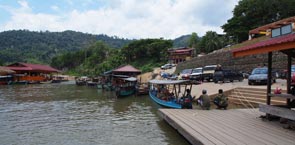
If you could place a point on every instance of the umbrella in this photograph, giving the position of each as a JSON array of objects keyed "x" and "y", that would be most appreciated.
[{"x": 5, "y": 71}]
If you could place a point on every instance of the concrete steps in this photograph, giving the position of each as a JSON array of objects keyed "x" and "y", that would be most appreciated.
[{"x": 252, "y": 97}]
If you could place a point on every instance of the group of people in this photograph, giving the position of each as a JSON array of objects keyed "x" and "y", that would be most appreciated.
[{"x": 221, "y": 101}]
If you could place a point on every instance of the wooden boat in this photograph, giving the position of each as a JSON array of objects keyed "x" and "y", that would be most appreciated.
[
  {"x": 169, "y": 101},
  {"x": 46, "y": 82},
  {"x": 17, "y": 82},
  {"x": 126, "y": 87}
]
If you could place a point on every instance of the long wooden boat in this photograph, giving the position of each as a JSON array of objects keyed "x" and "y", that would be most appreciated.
[
  {"x": 170, "y": 102},
  {"x": 126, "y": 87}
]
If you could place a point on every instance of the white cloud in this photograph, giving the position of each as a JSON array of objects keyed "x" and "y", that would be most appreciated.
[
  {"x": 55, "y": 8},
  {"x": 131, "y": 18}
]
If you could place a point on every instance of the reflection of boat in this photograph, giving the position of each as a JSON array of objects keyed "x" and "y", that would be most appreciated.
[
  {"x": 168, "y": 99},
  {"x": 126, "y": 86}
]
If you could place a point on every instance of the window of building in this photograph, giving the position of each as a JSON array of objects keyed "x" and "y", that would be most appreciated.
[{"x": 281, "y": 30}]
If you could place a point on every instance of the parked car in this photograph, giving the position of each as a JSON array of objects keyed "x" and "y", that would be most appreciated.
[
  {"x": 166, "y": 66},
  {"x": 259, "y": 76},
  {"x": 185, "y": 74},
  {"x": 208, "y": 72},
  {"x": 293, "y": 75},
  {"x": 227, "y": 75},
  {"x": 197, "y": 74}
]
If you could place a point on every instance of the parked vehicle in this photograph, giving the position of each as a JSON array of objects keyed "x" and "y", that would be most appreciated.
[
  {"x": 259, "y": 76},
  {"x": 185, "y": 74},
  {"x": 208, "y": 72},
  {"x": 166, "y": 66},
  {"x": 293, "y": 75},
  {"x": 197, "y": 74},
  {"x": 227, "y": 75}
]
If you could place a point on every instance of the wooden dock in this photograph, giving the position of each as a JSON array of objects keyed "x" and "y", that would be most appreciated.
[{"x": 226, "y": 127}]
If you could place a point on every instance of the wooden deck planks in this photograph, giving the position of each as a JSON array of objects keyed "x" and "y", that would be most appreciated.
[{"x": 236, "y": 126}]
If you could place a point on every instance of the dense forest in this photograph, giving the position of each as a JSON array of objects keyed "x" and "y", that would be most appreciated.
[
  {"x": 41, "y": 47},
  {"x": 144, "y": 54}
]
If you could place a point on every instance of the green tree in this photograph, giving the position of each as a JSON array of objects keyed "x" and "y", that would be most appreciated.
[
  {"x": 193, "y": 41},
  {"x": 211, "y": 41},
  {"x": 250, "y": 14}
]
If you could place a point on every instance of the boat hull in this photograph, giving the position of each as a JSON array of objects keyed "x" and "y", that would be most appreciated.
[
  {"x": 124, "y": 93},
  {"x": 169, "y": 104}
]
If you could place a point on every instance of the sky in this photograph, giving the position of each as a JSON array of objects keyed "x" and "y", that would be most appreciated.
[{"x": 132, "y": 19}]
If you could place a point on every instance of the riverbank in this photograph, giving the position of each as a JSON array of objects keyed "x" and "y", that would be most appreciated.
[{"x": 211, "y": 87}]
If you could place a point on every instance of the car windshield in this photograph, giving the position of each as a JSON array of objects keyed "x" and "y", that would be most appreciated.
[
  {"x": 186, "y": 71},
  {"x": 260, "y": 71},
  {"x": 293, "y": 68},
  {"x": 198, "y": 70}
]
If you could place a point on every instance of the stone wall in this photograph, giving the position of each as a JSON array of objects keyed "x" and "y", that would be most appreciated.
[{"x": 226, "y": 59}]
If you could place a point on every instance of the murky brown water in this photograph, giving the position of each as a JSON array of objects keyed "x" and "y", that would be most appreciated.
[{"x": 68, "y": 114}]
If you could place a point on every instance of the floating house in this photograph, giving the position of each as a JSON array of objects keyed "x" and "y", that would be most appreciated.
[
  {"x": 31, "y": 72},
  {"x": 281, "y": 38},
  {"x": 177, "y": 55}
]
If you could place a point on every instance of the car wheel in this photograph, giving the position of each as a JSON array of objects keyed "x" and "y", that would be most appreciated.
[
  {"x": 249, "y": 83},
  {"x": 274, "y": 81}
]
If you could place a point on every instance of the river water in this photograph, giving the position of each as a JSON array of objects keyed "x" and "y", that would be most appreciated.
[{"x": 68, "y": 114}]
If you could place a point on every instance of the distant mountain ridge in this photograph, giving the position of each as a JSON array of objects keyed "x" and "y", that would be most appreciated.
[{"x": 40, "y": 47}]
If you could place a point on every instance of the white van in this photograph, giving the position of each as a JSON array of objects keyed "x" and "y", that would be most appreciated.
[{"x": 208, "y": 72}]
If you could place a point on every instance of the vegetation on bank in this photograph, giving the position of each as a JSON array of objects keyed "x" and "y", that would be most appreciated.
[{"x": 144, "y": 54}]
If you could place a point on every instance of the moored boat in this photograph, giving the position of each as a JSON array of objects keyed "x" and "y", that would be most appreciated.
[
  {"x": 160, "y": 93},
  {"x": 126, "y": 87}
]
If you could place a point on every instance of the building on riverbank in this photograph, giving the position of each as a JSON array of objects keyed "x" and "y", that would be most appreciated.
[
  {"x": 177, "y": 55},
  {"x": 31, "y": 72}
]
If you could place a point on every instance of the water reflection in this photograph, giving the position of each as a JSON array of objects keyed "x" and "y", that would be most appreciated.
[{"x": 69, "y": 114}]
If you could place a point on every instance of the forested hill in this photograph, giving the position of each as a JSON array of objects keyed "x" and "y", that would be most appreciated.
[{"x": 40, "y": 47}]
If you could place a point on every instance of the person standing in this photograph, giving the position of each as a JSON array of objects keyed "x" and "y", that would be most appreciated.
[
  {"x": 221, "y": 101},
  {"x": 204, "y": 101}
]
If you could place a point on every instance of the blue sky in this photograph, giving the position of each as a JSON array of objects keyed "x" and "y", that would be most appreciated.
[{"x": 123, "y": 18}]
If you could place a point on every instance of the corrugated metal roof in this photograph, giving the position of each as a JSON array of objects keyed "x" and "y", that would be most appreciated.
[
  {"x": 127, "y": 68},
  {"x": 168, "y": 82},
  {"x": 269, "y": 42},
  {"x": 31, "y": 67}
]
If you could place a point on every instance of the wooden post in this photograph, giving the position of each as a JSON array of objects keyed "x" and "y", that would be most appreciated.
[
  {"x": 269, "y": 78},
  {"x": 289, "y": 78}
]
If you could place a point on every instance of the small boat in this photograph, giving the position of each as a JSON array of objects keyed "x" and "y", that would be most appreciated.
[
  {"x": 170, "y": 100},
  {"x": 17, "y": 82},
  {"x": 126, "y": 87},
  {"x": 46, "y": 82}
]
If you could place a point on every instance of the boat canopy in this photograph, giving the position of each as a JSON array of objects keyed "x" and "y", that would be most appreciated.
[
  {"x": 168, "y": 82},
  {"x": 131, "y": 79}
]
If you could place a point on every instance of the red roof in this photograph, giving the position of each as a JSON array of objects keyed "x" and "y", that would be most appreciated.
[
  {"x": 269, "y": 42},
  {"x": 31, "y": 67},
  {"x": 273, "y": 25},
  {"x": 180, "y": 50},
  {"x": 127, "y": 68}
]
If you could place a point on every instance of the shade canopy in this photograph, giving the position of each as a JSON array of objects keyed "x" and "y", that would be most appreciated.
[
  {"x": 168, "y": 82},
  {"x": 6, "y": 71},
  {"x": 19, "y": 66}
]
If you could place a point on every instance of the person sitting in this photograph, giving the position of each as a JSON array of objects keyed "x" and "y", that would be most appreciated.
[
  {"x": 204, "y": 101},
  {"x": 221, "y": 101},
  {"x": 187, "y": 100},
  {"x": 171, "y": 97}
]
